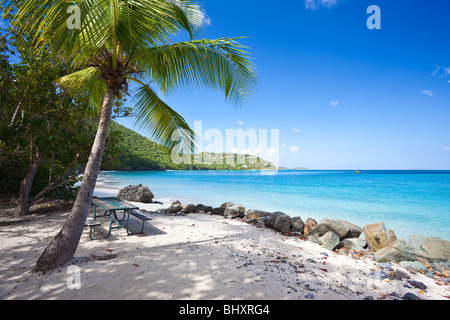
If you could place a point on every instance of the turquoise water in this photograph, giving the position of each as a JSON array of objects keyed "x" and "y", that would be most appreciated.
[{"x": 408, "y": 202}]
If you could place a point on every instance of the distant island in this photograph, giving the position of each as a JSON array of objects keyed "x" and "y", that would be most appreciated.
[{"x": 135, "y": 152}]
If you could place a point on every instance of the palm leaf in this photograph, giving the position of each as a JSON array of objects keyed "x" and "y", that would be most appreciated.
[
  {"x": 220, "y": 64},
  {"x": 158, "y": 119}
]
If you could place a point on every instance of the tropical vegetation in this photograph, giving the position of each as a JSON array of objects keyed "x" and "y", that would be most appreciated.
[{"x": 119, "y": 42}]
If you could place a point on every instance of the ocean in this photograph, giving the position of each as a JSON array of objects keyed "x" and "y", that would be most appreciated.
[{"x": 408, "y": 202}]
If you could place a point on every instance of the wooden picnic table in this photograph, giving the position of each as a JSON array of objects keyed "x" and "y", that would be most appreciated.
[{"x": 110, "y": 206}]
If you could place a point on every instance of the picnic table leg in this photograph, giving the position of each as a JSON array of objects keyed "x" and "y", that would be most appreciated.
[
  {"x": 95, "y": 212},
  {"x": 110, "y": 224},
  {"x": 128, "y": 222}
]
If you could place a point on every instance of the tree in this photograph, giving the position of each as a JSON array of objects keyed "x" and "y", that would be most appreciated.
[{"x": 123, "y": 41}]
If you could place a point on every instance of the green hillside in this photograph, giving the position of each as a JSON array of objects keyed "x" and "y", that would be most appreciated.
[{"x": 138, "y": 153}]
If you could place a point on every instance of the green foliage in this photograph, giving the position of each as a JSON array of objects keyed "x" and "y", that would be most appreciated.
[
  {"x": 38, "y": 118},
  {"x": 138, "y": 153}
]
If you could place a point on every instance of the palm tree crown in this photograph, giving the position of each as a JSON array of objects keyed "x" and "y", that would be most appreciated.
[{"x": 123, "y": 41}]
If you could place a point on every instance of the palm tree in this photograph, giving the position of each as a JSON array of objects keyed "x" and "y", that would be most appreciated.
[{"x": 123, "y": 41}]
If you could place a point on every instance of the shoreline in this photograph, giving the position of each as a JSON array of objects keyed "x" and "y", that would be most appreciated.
[{"x": 200, "y": 256}]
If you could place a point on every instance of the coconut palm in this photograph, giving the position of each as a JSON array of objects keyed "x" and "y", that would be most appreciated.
[{"x": 119, "y": 42}]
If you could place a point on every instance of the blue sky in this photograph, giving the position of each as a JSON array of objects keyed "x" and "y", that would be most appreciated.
[{"x": 342, "y": 96}]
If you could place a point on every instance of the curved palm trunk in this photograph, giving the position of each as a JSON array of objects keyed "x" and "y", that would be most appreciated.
[{"x": 62, "y": 249}]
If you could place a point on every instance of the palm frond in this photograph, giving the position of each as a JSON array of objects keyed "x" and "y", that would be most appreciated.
[
  {"x": 86, "y": 88},
  {"x": 163, "y": 124},
  {"x": 220, "y": 64}
]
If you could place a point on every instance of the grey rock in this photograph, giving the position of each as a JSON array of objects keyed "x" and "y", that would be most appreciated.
[
  {"x": 410, "y": 296},
  {"x": 256, "y": 214},
  {"x": 330, "y": 240},
  {"x": 399, "y": 250},
  {"x": 354, "y": 244},
  {"x": 342, "y": 228},
  {"x": 297, "y": 224},
  {"x": 278, "y": 221},
  {"x": 174, "y": 209},
  {"x": 189, "y": 208},
  {"x": 417, "y": 284},
  {"x": 400, "y": 275},
  {"x": 416, "y": 265},
  {"x": 218, "y": 211},
  {"x": 233, "y": 210},
  {"x": 385, "y": 265},
  {"x": 136, "y": 193},
  {"x": 431, "y": 248}
]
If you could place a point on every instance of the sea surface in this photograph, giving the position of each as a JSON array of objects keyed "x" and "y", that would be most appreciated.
[{"x": 408, "y": 202}]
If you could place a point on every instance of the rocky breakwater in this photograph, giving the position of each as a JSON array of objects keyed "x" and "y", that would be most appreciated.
[{"x": 423, "y": 254}]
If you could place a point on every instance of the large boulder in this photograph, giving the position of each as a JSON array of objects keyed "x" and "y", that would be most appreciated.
[
  {"x": 330, "y": 240},
  {"x": 342, "y": 228},
  {"x": 297, "y": 224},
  {"x": 189, "y": 208},
  {"x": 278, "y": 221},
  {"x": 377, "y": 236},
  {"x": 136, "y": 193},
  {"x": 430, "y": 248},
  {"x": 399, "y": 250},
  {"x": 233, "y": 210},
  {"x": 253, "y": 214},
  {"x": 218, "y": 211}
]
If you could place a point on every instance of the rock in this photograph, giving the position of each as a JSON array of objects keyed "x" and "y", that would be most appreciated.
[
  {"x": 189, "y": 208},
  {"x": 354, "y": 244},
  {"x": 385, "y": 265},
  {"x": 410, "y": 296},
  {"x": 198, "y": 208},
  {"x": 377, "y": 236},
  {"x": 136, "y": 193},
  {"x": 400, "y": 275},
  {"x": 224, "y": 205},
  {"x": 218, "y": 211},
  {"x": 330, "y": 240},
  {"x": 174, "y": 209},
  {"x": 176, "y": 203},
  {"x": 417, "y": 284},
  {"x": 431, "y": 248},
  {"x": 256, "y": 214},
  {"x": 233, "y": 210},
  {"x": 416, "y": 265},
  {"x": 398, "y": 250},
  {"x": 309, "y": 225},
  {"x": 297, "y": 224},
  {"x": 342, "y": 228},
  {"x": 278, "y": 221}
]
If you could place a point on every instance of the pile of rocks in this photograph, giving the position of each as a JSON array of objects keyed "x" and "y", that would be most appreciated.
[
  {"x": 420, "y": 253},
  {"x": 339, "y": 235}
]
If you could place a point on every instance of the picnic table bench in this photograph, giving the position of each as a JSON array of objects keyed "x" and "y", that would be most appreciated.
[{"x": 110, "y": 206}]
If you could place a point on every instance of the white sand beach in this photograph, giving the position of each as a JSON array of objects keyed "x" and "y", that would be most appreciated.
[{"x": 196, "y": 257}]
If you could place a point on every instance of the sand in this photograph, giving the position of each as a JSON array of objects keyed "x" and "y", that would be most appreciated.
[{"x": 193, "y": 257}]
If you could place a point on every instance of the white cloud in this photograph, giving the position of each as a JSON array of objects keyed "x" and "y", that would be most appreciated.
[
  {"x": 446, "y": 149},
  {"x": 295, "y": 129},
  {"x": 294, "y": 149},
  {"x": 440, "y": 71},
  {"x": 334, "y": 103},
  {"x": 427, "y": 92},
  {"x": 240, "y": 122},
  {"x": 316, "y": 4}
]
